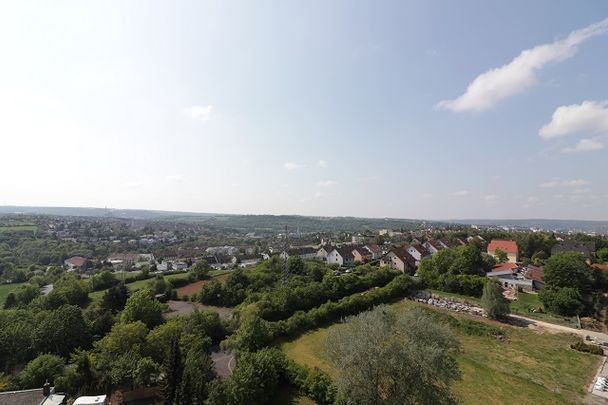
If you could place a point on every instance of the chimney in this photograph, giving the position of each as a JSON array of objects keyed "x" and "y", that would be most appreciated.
[{"x": 46, "y": 389}]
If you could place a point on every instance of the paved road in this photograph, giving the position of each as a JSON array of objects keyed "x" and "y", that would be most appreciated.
[
  {"x": 533, "y": 323},
  {"x": 223, "y": 361}
]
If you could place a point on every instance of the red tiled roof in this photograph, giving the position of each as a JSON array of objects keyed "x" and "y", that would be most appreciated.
[
  {"x": 535, "y": 273},
  {"x": 374, "y": 248},
  {"x": 507, "y": 246},
  {"x": 403, "y": 254},
  {"x": 504, "y": 267}
]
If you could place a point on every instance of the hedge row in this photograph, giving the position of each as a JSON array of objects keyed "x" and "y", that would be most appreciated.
[{"x": 399, "y": 287}]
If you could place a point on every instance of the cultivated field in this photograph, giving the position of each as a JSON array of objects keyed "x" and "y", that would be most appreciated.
[
  {"x": 196, "y": 287},
  {"x": 524, "y": 367}
]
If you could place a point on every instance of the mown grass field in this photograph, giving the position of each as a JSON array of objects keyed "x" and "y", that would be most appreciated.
[
  {"x": 526, "y": 367},
  {"x": 5, "y": 289}
]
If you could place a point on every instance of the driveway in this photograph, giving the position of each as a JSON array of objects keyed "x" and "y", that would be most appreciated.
[
  {"x": 223, "y": 361},
  {"x": 551, "y": 327}
]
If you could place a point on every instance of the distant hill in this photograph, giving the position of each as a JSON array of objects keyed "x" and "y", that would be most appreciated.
[
  {"x": 248, "y": 223},
  {"x": 93, "y": 212},
  {"x": 562, "y": 225},
  {"x": 276, "y": 223}
]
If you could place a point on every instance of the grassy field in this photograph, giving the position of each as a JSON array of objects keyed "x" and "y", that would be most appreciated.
[
  {"x": 5, "y": 289},
  {"x": 526, "y": 367},
  {"x": 18, "y": 228},
  {"x": 139, "y": 284}
]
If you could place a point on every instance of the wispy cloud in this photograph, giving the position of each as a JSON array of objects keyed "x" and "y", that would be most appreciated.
[
  {"x": 293, "y": 166},
  {"x": 460, "y": 193},
  {"x": 531, "y": 201},
  {"x": 326, "y": 183},
  {"x": 584, "y": 145},
  {"x": 175, "y": 177},
  {"x": 497, "y": 84},
  {"x": 565, "y": 183},
  {"x": 490, "y": 197},
  {"x": 322, "y": 163},
  {"x": 199, "y": 112},
  {"x": 589, "y": 116},
  {"x": 134, "y": 184}
]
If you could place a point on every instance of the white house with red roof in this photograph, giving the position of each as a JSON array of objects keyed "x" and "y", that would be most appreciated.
[{"x": 506, "y": 245}]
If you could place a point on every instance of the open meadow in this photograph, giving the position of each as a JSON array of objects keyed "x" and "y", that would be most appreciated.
[{"x": 522, "y": 366}]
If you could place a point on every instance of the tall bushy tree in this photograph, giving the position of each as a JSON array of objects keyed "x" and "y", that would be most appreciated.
[
  {"x": 198, "y": 372},
  {"x": 172, "y": 369},
  {"x": 393, "y": 358},
  {"x": 493, "y": 300},
  {"x": 142, "y": 306}
]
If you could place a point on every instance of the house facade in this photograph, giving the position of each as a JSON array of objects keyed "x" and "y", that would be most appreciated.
[
  {"x": 341, "y": 256},
  {"x": 506, "y": 245},
  {"x": 399, "y": 259}
]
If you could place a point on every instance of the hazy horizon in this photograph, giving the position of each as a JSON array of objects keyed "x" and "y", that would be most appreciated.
[
  {"x": 302, "y": 215},
  {"x": 436, "y": 110}
]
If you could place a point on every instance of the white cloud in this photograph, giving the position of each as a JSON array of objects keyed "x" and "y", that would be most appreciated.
[
  {"x": 293, "y": 166},
  {"x": 550, "y": 184},
  {"x": 322, "y": 163},
  {"x": 487, "y": 89},
  {"x": 589, "y": 116},
  {"x": 584, "y": 145},
  {"x": 575, "y": 183},
  {"x": 565, "y": 183},
  {"x": 199, "y": 112},
  {"x": 175, "y": 177},
  {"x": 460, "y": 193},
  {"x": 531, "y": 202},
  {"x": 489, "y": 197},
  {"x": 134, "y": 184},
  {"x": 326, "y": 183}
]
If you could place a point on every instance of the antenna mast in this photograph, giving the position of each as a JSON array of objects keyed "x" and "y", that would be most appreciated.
[{"x": 286, "y": 248}]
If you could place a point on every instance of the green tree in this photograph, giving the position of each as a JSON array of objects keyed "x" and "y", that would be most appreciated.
[
  {"x": 568, "y": 270},
  {"x": 45, "y": 367},
  {"x": 493, "y": 300},
  {"x": 200, "y": 269},
  {"x": 501, "y": 256},
  {"x": 198, "y": 372},
  {"x": 393, "y": 358},
  {"x": 61, "y": 331},
  {"x": 602, "y": 255},
  {"x": 142, "y": 306},
  {"x": 564, "y": 301},
  {"x": 11, "y": 301},
  {"x": 172, "y": 369},
  {"x": 119, "y": 352},
  {"x": 115, "y": 298}
]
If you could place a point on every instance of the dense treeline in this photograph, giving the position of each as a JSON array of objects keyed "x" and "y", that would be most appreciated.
[
  {"x": 460, "y": 270},
  {"x": 255, "y": 332}
]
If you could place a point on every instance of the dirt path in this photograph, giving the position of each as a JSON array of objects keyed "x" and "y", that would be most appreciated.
[{"x": 551, "y": 327}]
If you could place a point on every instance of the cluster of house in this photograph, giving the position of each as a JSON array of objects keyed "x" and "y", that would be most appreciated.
[{"x": 529, "y": 278}]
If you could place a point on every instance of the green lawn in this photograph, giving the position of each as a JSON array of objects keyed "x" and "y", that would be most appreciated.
[
  {"x": 525, "y": 367},
  {"x": 18, "y": 228},
  {"x": 5, "y": 289}
]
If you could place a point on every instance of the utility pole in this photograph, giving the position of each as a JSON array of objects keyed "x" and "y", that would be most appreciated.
[{"x": 286, "y": 247}]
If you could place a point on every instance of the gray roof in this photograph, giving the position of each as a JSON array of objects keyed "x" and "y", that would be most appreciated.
[{"x": 30, "y": 397}]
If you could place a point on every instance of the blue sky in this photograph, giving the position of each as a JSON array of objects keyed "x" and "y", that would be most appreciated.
[{"x": 422, "y": 109}]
